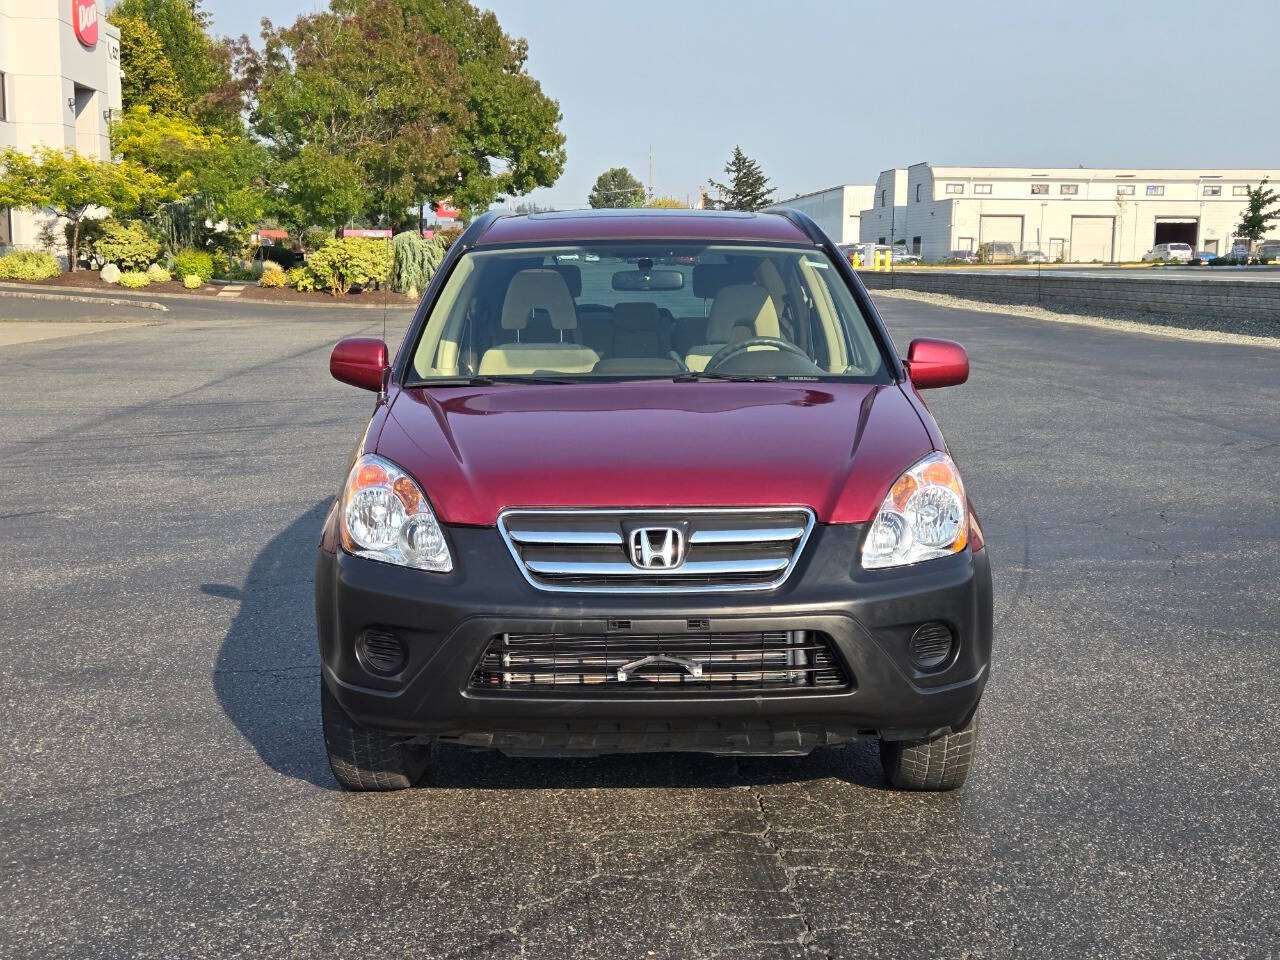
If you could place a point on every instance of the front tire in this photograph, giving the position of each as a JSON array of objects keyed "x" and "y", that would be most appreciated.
[
  {"x": 940, "y": 763},
  {"x": 365, "y": 759}
]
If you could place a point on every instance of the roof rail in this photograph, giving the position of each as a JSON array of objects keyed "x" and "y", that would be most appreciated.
[
  {"x": 803, "y": 221},
  {"x": 479, "y": 226}
]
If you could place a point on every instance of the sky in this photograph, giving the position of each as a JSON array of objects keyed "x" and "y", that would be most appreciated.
[{"x": 824, "y": 93}]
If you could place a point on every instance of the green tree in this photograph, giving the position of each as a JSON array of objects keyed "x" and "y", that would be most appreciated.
[
  {"x": 667, "y": 203},
  {"x": 201, "y": 65},
  {"x": 69, "y": 185},
  {"x": 395, "y": 103},
  {"x": 148, "y": 77},
  {"x": 748, "y": 188},
  {"x": 616, "y": 187},
  {"x": 1258, "y": 215}
]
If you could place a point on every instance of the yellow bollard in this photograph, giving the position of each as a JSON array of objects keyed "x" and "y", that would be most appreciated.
[
  {"x": 857, "y": 259},
  {"x": 875, "y": 257},
  {"x": 888, "y": 259}
]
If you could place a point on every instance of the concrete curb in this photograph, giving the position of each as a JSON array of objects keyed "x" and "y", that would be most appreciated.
[
  {"x": 41, "y": 293},
  {"x": 25, "y": 294}
]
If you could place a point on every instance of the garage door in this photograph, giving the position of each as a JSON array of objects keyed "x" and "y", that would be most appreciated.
[
  {"x": 1002, "y": 230},
  {"x": 1091, "y": 239}
]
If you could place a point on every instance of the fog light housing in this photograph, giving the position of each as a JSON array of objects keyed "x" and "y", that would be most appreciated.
[
  {"x": 381, "y": 651},
  {"x": 931, "y": 645}
]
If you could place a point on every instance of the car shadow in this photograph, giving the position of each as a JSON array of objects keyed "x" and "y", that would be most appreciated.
[{"x": 266, "y": 679}]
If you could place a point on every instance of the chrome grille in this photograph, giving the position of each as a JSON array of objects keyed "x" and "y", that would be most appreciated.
[
  {"x": 592, "y": 550},
  {"x": 779, "y": 660}
]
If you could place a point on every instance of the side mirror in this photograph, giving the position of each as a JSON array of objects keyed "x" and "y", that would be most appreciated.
[
  {"x": 936, "y": 363},
  {"x": 360, "y": 361}
]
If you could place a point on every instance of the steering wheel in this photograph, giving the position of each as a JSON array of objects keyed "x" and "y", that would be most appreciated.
[{"x": 731, "y": 350}]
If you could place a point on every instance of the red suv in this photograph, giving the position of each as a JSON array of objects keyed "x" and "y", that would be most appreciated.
[{"x": 647, "y": 481}]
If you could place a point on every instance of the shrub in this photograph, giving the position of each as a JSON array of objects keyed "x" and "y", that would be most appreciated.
[
  {"x": 127, "y": 245},
  {"x": 110, "y": 274},
  {"x": 415, "y": 261},
  {"x": 192, "y": 281},
  {"x": 221, "y": 264},
  {"x": 29, "y": 265},
  {"x": 272, "y": 278},
  {"x": 313, "y": 238},
  {"x": 194, "y": 261},
  {"x": 447, "y": 237},
  {"x": 158, "y": 274},
  {"x": 90, "y": 233},
  {"x": 134, "y": 280},
  {"x": 341, "y": 264}
]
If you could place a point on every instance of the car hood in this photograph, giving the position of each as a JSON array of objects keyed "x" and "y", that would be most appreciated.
[{"x": 476, "y": 451}]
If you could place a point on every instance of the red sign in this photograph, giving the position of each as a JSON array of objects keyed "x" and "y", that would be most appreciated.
[
  {"x": 446, "y": 212},
  {"x": 84, "y": 17}
]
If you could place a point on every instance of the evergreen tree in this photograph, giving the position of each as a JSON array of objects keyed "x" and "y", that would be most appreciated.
[
  {"x": 1258, "y": 212},
  {"x": 616, "y": 187},
  {"x": 748, "y": 188}
]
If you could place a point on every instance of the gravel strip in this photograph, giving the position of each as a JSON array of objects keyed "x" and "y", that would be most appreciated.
[{"x": 1164, "y": 325}]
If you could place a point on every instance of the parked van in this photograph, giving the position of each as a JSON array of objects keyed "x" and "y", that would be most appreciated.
[{"x": 1169, "y": 251}]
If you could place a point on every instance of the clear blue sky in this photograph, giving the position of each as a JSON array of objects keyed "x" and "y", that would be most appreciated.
[{"x": 823, "y": 93}]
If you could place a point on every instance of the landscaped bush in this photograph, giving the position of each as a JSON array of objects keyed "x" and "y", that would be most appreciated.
[
  {"x": 194, "y": 261},
  {"x": 134, "y": 280},
  {"x": 29, "y": 265},
  {"x": 272, "y": 275},
  {"x": 222, "y": 265},
  {"x": 158, "y": 274},
  {"x": 447, "y": 237},
  {"x": 109, "y": 274},
  {"x": 128, "y": 245},
  {"x": 90, "y": 233},
  {"x": 341, "y": 264},
  {"x": 192, "y": 281},
  {"x": 415, "y": 261},
  {"x": 313, "y": 238}
]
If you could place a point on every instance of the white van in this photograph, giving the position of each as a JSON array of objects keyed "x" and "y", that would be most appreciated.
[{"x": 1170, "y": 251}]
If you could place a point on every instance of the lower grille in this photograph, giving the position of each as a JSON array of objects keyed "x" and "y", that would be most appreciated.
[{"x": 782, "y": 661}]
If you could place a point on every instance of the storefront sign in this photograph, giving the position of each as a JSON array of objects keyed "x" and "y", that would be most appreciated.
[{"x": 84, "y": 17}]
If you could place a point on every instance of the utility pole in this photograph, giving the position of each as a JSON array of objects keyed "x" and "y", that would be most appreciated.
[{"x": 651, "y": 171}]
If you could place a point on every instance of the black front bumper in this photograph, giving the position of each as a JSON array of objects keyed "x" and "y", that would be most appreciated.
[{"x": 447, "y": 621}]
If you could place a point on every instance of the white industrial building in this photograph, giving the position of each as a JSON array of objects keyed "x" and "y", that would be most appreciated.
[
  {"x": 1072, "y": 214},
  {"x": 59, "y": 87},
  {"x": 837, "y": 210}
]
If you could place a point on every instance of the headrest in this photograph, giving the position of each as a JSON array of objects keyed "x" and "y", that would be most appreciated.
[
  {"x": 641, "y": 316},
  {"x": 572, "y": 278},
  {"x": 709, "y": 278},
  {"x": 742, "y": 304},
  {"x": 538, "y": 289}
]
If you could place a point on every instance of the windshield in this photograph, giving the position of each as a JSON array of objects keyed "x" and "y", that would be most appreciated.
[{"x": 611, "y": 311}]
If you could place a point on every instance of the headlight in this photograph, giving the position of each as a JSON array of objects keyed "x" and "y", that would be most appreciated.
[
  {"x": 385, "y": 516},
  {"x": 922, "y": 518}
]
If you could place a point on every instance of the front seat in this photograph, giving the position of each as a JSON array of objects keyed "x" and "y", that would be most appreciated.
[
  {"x": 740, "y": 311},
  {"x": 542, "y": 290}
]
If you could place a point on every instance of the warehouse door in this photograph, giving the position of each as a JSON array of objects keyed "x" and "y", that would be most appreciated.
[
  {"x": 1002, "y": 230},
  {"x": 1177, "y": 230},
  {"x": 1091, "y": 239}
]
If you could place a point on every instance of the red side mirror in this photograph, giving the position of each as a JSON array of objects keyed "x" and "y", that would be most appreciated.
[
  {"x": 936, "y": 363},
  {"x": 360, "y": 361}
]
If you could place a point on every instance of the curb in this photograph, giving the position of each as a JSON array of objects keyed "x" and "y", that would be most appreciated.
[
  {"x": 41, "y": 293},
  {"x": 24, "y": 294}
]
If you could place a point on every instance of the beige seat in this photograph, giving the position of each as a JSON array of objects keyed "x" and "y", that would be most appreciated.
[
  {"x": 545, "y": 290},
  {"x": 740, "y": 311}
]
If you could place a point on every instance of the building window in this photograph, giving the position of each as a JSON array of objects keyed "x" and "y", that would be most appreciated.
[
  {"x": 1154, "y": 191},
  {"x": 880, "y": 241},
  {"x": 4, "y": 114},
  {"x": 1124, "y": 190},
  {"x": 955, "y": 188},
  {"x": 982, "y": 188},
  {"x": 915, "y": 244},
  {"x": 6, "y": 227},
  {"x": 1069, "y": 189},
  {"x": 1213, "y": 190},
  {"x": 1039, "y": 188},
  {"x": 882, "y": 197},
  {"x": 918, "y": 186},
  {"x": 1240, "y": 191}
]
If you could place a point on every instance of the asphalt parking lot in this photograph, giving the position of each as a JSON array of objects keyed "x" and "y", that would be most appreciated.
[{"x": 165, "y": 792}]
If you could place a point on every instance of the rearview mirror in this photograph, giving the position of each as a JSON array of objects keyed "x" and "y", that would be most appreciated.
[
  {"x": 633, "y": 281},
  {"x": 936, "y": 363},
  {"x": 360, "y": 361}
]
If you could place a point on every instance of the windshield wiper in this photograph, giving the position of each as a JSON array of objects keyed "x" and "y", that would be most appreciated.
[
  {"x": 692, "y": 376},
  {"x": 483, "y": 381}
]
